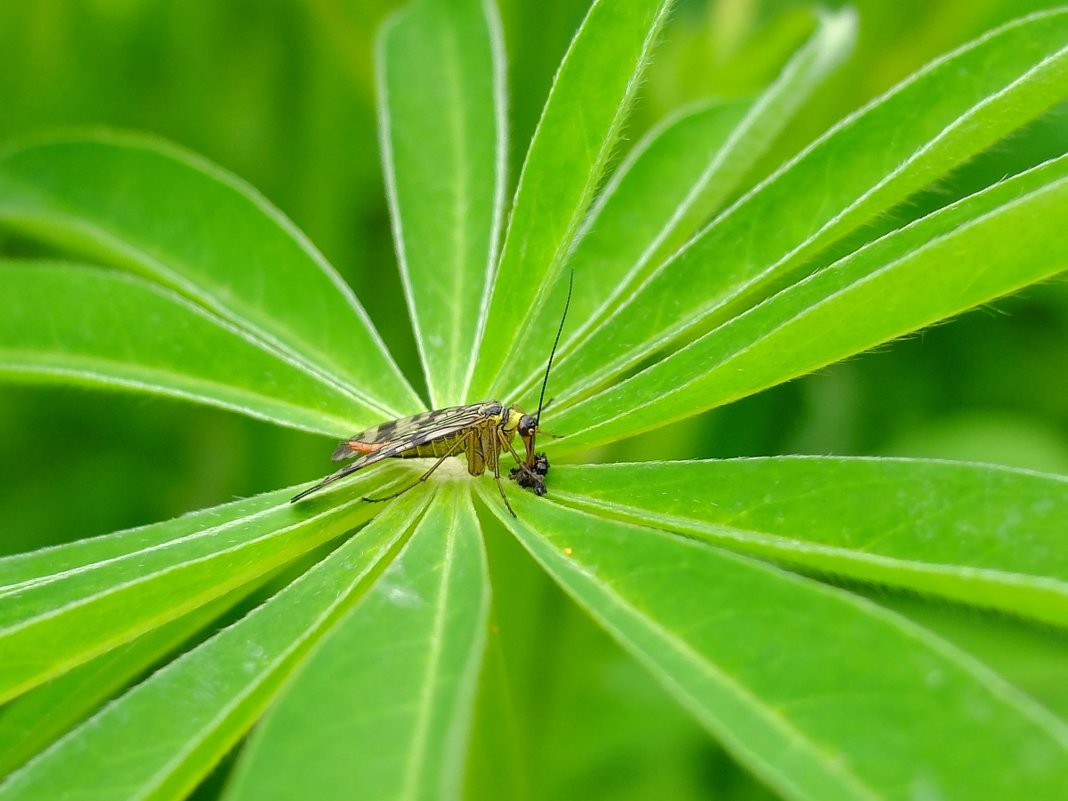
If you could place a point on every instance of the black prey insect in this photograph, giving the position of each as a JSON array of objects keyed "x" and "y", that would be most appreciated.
[{"x": 480, "y": 431}]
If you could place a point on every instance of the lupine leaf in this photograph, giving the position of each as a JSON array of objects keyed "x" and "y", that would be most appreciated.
[
  {"x": 76, "y": 324},
  {"x": 33, "y": 721},
  {"x": 178, "y": 220},
  {"x": 197, "y": 707},
  {"x": 53, "y": 624},
  {"x": 932, "y": 122},
  {"x": 385, "y": 703},
  {"x": 581, "y": 122},
  {"x": 441, "y": 113},
  {"x": 976, "y": 533},
  {"x": 669, "y": 185},
  {"x": 986, "y": 246},
  {"x": 822, "y": 694}
]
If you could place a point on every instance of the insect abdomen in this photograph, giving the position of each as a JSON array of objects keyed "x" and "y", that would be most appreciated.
[{"x": 436, "y": 448}]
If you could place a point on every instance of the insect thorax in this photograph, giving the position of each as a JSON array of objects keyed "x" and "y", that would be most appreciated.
[
  {"x": 510, "y": 418},
  {"x": 505, "y": 417}
]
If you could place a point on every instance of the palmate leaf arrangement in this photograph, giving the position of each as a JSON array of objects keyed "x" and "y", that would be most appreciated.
[{"x": 366, "y": 669}]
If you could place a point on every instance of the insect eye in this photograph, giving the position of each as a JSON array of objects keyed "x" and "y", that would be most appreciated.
[{"x": 527, "y": 425}]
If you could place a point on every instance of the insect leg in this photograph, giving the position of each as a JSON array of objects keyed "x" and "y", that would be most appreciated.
[
  {"x": 495, "y": 454},
  {"x": 330, "y": 479},
  {"x": 511, "y": 449},
  {"x": 452, "y": 449}
]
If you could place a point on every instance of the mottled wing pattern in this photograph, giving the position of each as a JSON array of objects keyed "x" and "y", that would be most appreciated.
[{"x": 396, "y": 436}]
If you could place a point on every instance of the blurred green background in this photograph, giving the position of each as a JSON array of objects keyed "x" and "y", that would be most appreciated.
[{"x": 281, "y": 92}]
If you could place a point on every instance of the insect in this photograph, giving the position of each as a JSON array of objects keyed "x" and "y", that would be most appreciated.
[{"x": 480, "y": 431}]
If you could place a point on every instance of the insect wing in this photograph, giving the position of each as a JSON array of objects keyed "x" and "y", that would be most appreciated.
[
  {"x": 398, "y": 436},
  {"x": 395, "y": 447}
]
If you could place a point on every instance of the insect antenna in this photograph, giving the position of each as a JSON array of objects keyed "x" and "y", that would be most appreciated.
[
  {"x": 530, "y": 474},
  {"x": 559, "y": 331}
]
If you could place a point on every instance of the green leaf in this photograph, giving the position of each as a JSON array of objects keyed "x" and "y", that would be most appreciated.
[
  {"x": 384, "y": 704},
  {"x": 578, "y": 128},
  {"x": 168, "y": 215},
  {"x": 823, "y": 695},
  {"x": 34, "y": 720},
  {"x": 985, "y": 535},
  {"x": 163, "y": 736},
  {"x": 53, "y": 624},
  {"x": 670, "y": 184},
  {"x": 443, "y": 134},
  {"x": 981, "y": 248},
  {"x": 916, "y": 134},
  {"x": 75, "y": 324},
  {"x": 23, "y": 569}
]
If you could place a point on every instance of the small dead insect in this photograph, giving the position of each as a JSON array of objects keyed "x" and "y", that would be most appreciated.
[
  {"x": 532, "y": 476},
  {"x": 480, "y": 431}
]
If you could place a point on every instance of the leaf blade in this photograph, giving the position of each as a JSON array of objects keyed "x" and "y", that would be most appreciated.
[
  {"x": 55, "y": 623},
  {"x": 394, "y": 725},
  {"x": 71, "y": 323},
  {"x": 33, "y": 721},
  {"x": 981, "y": 248},
  {"x": 670, "y": 184},
  {"x": 578, "y": 128},
  {"x": 975, "y": 533},
  {"x": 213, "y": 693},
  {"x": 182, "y": 222},
  {"x": 941, "y": 116},
  {"x": 441, "y": 112},
  {"x": 792, "y": 676}
]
